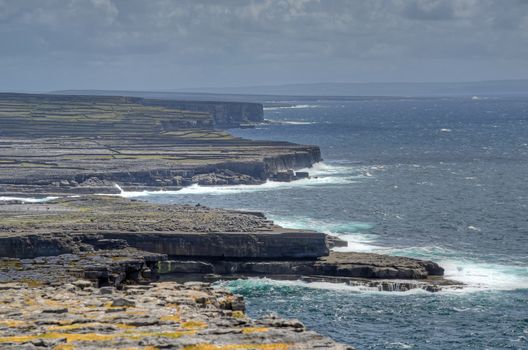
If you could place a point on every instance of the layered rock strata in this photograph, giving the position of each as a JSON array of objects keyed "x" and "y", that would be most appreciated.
[{"x": 196, "y": 240}]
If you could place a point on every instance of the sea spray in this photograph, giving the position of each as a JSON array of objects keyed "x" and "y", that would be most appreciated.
[
  {"x": 299, "y": 106},
  {"x": 28, "y": 199},
  {"x": 322, "y": 175},
  {"x": 353, "y": 232},
  {"x": 134, "y": 194}
]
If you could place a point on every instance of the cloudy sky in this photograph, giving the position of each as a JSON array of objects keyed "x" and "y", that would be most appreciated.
[{"x": 172, "y": 44}]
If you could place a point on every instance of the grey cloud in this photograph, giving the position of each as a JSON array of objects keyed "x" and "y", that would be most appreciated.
[
  {"x": 178, "y": 43},
  {"x": 429, "y": 10}
]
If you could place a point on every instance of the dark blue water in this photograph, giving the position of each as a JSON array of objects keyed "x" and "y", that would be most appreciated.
[{"x": 442, "y": 179}]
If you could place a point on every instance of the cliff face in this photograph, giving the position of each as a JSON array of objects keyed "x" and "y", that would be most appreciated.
[
  {"x": 304, "y": 158},
  {"x": 225, "y": 114},
  {"x": 227, "y": 111},
  {"x": 216, "y": 245}
]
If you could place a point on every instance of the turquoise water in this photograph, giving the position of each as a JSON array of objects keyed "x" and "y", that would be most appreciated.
[{"x": 442, "y": 179}]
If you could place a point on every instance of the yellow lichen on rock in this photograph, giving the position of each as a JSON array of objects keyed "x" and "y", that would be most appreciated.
[
  {"x": 173, "y": 335},
  {"x": 13, "y": 323},
  {"x": 64, "y": 347},
  {"x": 29, "y": 319},
  {"x": 171, "y": 318},
  {"x": 254, "y": 330},
  {"x": 267, "y": 346},
  {"x": 194, "y": 324},
  {"x": 238, "y": 314},
  {"x": 74, "y": 337}
]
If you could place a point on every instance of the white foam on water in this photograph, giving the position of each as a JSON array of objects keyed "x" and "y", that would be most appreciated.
[
  {"x": 476, "y": 275},
  {"x": 326, "y": 169},
  {"x": 330, "y": 227},
  {"x": 256, "y": 282},
  {"x": 305, "y": 106},
  {"x": 486, "y": 276},
  {"x": 433, "y": 252},
  {"x": 476, "y": 279},
  {"x": 357, "y": 243},
  {"x": 401, "y": 345},
  {"x": 321, "y": 175},
  {"x": 268, "y": 186},
  {"x": 352, "y": 232},
  {"x": 135, "y": 194},
  {"x": 291, "y": 122},
  {"x": 27, "y": 199}
]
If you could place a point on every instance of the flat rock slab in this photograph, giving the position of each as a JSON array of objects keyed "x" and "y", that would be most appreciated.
[
  {"x": 53, "y": 228},
  {"x": 191, "y": 316},
  {"x": 393, "y": 266},
  {"x": 92, "y": 213}
]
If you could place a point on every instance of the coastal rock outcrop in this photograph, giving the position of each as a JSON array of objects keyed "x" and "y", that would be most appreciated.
[
  {"x": 86, "y": 144},
  {"x": 190, "y": 316},
  {"x": 199, "y": 242}
]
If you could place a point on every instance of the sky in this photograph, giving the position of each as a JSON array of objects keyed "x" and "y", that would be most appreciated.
[{"x": 173, "y": 44}]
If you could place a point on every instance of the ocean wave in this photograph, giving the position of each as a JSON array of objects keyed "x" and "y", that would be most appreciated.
[
  {"x": 302, "y": 106},
  {"x": 290, "y": 122},
  {"x": 28, "y": 199},
  {"x": 263, "y": 286},
  {"x": 477, "y": 278},
  {"x": 196, "y": 189},
  {"x": 330, "y": 169},
  {"x": 353, "y": 232},
  {"x": 135, "y": 194},
  {"x": 321, "y": 175},
  {"x": 268, "y": 186},
  {"x": 357, "y": 243},
  {"x": 477, "y": 275},
  {"x": 303, "y": 222}
]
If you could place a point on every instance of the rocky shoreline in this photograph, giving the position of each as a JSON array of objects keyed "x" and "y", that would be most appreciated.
[
  {"x": 184, "y": 240},
  {"x": 85, "y": 272},
  {"x": 85, "y": 144},
  {"x": 94, "y": 271},
  {"x": 90, "y": 271}
]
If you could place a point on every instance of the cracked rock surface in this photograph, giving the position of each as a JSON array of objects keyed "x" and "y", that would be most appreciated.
[{"x": 167, "y": 315}]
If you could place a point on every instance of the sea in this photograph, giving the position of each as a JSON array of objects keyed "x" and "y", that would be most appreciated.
[{"x": 441, "y": 178}]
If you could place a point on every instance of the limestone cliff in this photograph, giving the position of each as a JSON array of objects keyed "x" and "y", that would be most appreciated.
[{"x": 225, "y": 114}]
